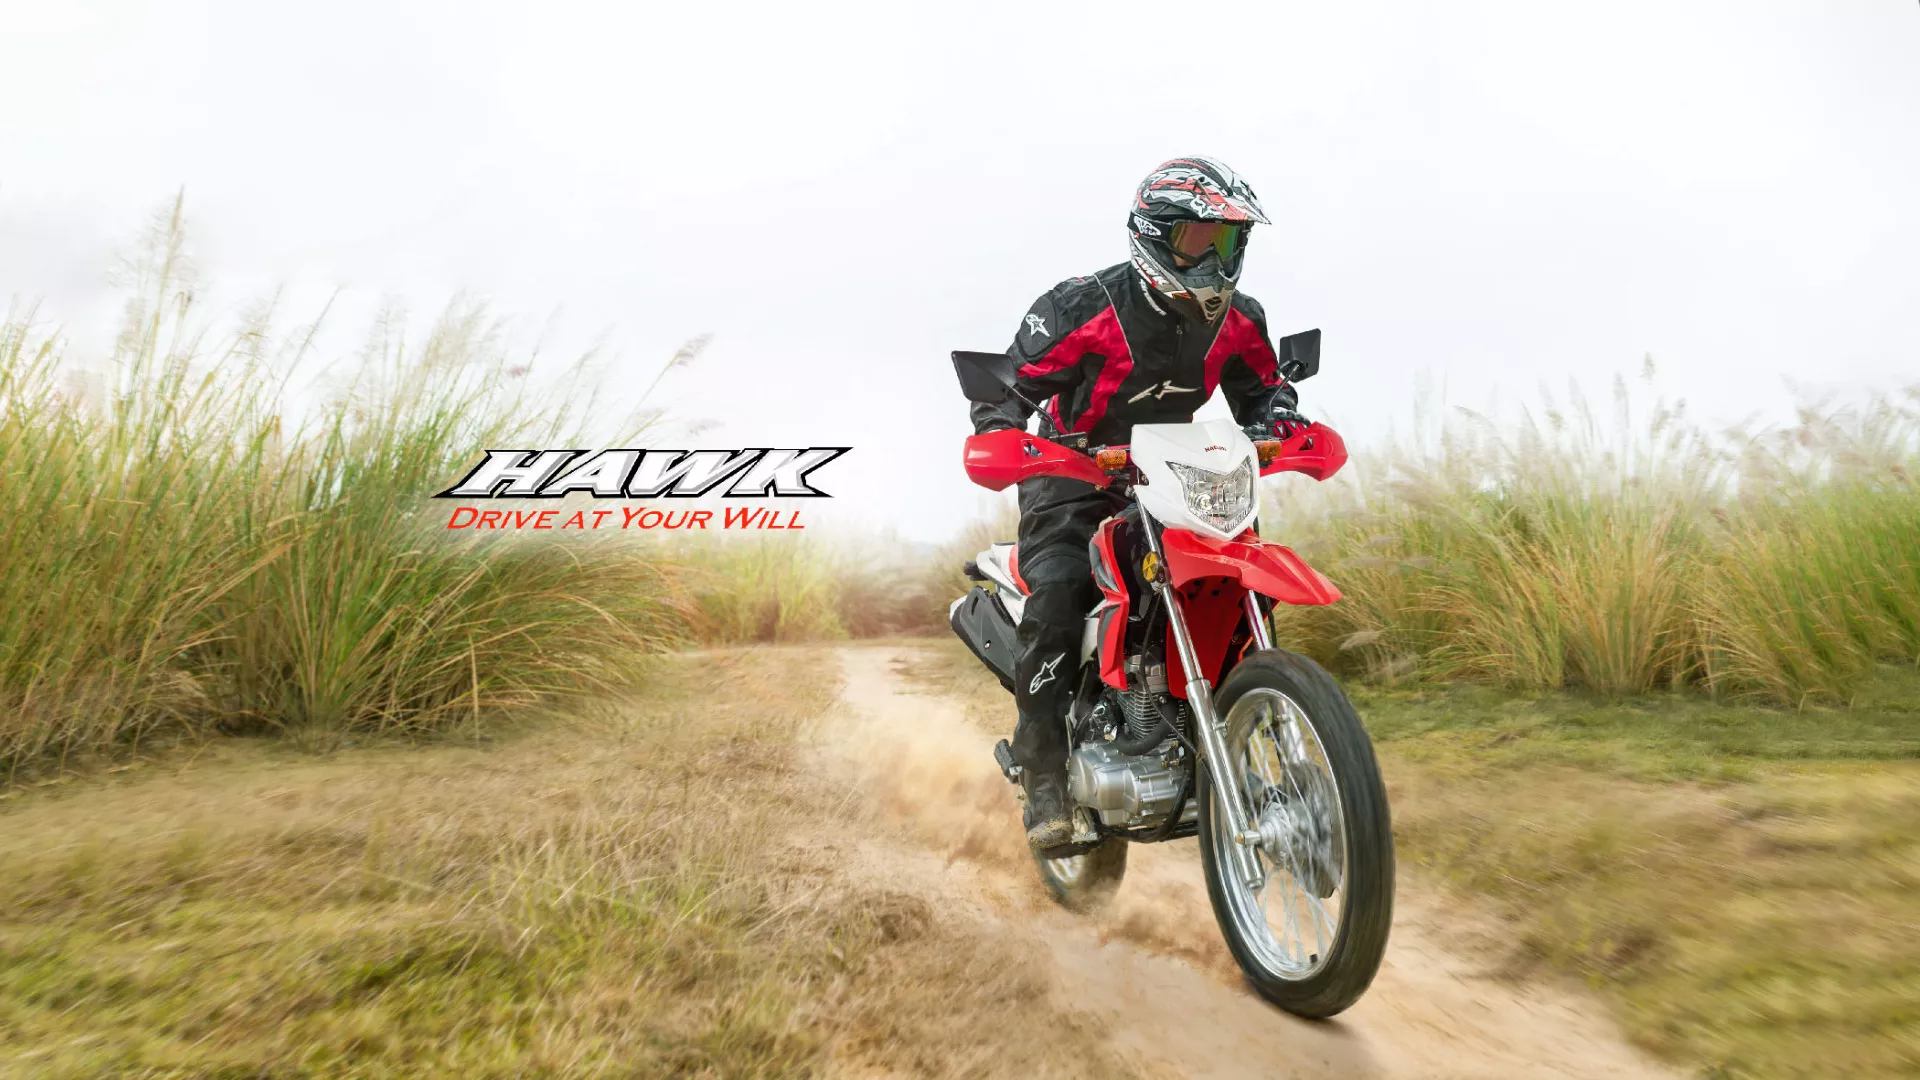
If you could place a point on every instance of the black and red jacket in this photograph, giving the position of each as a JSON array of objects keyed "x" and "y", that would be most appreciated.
[{"x": 1111, "y": 357}]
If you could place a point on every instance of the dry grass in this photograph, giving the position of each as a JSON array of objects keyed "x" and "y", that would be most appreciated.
[{"x": 618, "y": 896}]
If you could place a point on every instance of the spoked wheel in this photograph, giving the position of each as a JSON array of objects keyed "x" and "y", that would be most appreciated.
[
  {"x": 1084, "y": 883},
  {"x": 1311, "y": 927}
]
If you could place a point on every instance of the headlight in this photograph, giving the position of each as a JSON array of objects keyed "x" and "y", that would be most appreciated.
[{"x": 1222, "y": 500}]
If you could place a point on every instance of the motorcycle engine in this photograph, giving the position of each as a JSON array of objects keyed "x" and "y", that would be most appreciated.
[
  {"x": 1130, "y": 790},
  {"x": 1141, "y": 707},
  {"x": 1126, "y": 790}
]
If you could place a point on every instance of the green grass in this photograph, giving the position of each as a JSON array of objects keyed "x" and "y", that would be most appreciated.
[
  {"x": 1669, "y": 736},
  {"x": 1742, "y": 883}
]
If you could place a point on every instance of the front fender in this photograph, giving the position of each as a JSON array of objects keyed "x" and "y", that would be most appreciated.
[
  {"x": 1269, "y": 569},
  {"x": 1214, "y": 576}
]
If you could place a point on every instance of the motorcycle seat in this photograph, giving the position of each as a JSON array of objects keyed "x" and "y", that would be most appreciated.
[{"x": 1004, "y": 556}]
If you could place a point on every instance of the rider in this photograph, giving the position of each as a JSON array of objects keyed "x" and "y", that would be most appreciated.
[{"x": 1144, "y": 341}]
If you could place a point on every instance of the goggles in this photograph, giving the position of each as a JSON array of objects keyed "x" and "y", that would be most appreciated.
[{"x": 1191, "y": 239}]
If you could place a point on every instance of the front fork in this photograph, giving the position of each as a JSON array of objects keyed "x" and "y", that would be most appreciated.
[{"x": 1212, "y": 726}]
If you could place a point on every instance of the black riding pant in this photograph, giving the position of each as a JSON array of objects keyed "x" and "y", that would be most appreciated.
[{"x": 1057, "y": 518}]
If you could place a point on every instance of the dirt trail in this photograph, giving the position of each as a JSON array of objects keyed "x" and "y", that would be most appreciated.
[{"x": 951, "y": 835}]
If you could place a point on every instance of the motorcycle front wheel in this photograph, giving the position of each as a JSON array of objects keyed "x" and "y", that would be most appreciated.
[{"x": 1311, "y": 928}]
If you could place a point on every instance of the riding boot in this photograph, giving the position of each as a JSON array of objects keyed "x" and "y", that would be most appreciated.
[{"x": 1045, "y": 670}]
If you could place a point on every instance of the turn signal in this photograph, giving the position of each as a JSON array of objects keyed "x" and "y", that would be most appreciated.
[
  {"x": 1150, "y": 567},
  {"x": 1268, "y": 449},
  {"x": 1112, "y": 460}
]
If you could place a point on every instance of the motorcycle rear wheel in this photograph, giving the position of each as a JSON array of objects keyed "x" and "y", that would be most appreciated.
[{"x": 1315, "y": 795}]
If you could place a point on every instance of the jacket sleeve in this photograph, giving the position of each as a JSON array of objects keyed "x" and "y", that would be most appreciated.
[
  {"x": 1043, "y": 367},
  {"x": 1251, "y": 378}
]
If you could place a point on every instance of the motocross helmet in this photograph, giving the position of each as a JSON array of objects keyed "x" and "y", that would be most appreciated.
[{"x": 1189, "y": 225}]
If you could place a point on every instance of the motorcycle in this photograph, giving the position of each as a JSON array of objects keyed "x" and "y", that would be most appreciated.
[{"x": 1186, "y": 719}]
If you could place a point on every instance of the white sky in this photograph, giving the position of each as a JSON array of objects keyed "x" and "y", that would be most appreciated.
[{"x": 1476, "y": 195}]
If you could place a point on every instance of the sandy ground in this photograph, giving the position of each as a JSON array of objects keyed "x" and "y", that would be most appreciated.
[{"x": 946, "y": 828}]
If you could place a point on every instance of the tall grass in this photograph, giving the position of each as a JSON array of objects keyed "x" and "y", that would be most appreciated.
[
  {"x": 1567, "y": 552},
  {"x": 186, "y": 549}
]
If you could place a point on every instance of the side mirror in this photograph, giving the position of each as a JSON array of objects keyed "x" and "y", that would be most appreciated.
[
  {"x": 985, "y": 377},
  {"x": 1299, "y": 354}
]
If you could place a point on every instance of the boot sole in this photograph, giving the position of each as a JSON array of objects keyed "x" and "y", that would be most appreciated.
[{"x": 1050, "y": 834}]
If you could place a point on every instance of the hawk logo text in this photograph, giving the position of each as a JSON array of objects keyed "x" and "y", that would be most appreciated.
[{"x": 752, "y": 473}]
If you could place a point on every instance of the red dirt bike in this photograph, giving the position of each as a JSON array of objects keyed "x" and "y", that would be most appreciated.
[{"x": 1186, "y": 719}]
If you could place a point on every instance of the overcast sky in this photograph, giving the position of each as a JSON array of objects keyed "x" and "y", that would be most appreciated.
[{"x": 1476, "y": 195}]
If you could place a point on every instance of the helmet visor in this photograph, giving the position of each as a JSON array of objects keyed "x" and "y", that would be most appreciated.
[{"x": 1191, "y": 239}]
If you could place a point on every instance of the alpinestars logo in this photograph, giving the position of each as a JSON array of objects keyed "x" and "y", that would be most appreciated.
[
  {"x": 1037, "y": 325},
  {"x": 1160, "y": 390},
  {"x": 1046, "y": 674},
  {"x": 752, "y": 473}
]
